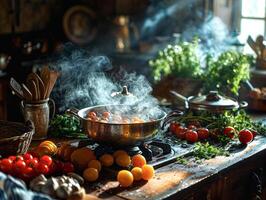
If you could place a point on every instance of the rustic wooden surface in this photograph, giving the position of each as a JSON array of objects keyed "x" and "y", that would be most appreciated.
[
  {"x": 217, "y": 178},
  {"x": 176, "y": 180}
]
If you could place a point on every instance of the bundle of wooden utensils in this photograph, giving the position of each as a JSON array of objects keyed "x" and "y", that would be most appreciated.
[
  {"x": 259, "y": 47},
  {"x": 37, "y": 87}
]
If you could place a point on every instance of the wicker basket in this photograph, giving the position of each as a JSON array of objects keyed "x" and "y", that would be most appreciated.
[{"x": 15, "y": 138}]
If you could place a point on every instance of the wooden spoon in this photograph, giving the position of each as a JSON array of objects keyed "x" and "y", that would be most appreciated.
[
  {"x": 45, "y": 76},
  {"x": 33, "y": 89},
  {"x": 53, "y": 78},
  {"x": 27, "y": 93}
]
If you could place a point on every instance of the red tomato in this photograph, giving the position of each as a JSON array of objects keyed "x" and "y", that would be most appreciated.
[
  {"x": 181, "y": 132},
  {"x": 6, "y": 165},
  {"x": 229, "y": 131},
  {"x": 42, "y": 168},
  {"x": 203, "y": 133},
  {"x": 191, "y": 136},
  {"x": 32, "y": 163},
  {"x": 106, "y": 115},
  {"x": 173, "y": 127},
  {"x": 245, "y": 136},
  {"x": 27, "y": 156},
  {"x": 195, "y": 123},
  {"x": 68, "y": 167},
  {"x": 28, "y": 173},
  {"x": 19, "y": 166},
  {"x": 59, "y": 166},
  {"x": 13, "y": 158},
  {"x": 47, "y": 160},
  {"x": 192, "y": 127},
  {"x": 92, "y": 115},
  {"x": 18, "y": 158}
]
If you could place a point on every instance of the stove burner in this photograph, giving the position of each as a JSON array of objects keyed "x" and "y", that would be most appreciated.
[{"x": 152, "y": 151}]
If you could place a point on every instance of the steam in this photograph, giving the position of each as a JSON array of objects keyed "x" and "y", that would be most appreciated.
[
  {"x": 213, "y": 34},
  {"x": 86, "y": 81}
]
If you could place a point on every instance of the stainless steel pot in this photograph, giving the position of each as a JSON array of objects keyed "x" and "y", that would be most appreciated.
[
  {"x": 212, "y": 102},
  {"x": 120, "y": 134}
]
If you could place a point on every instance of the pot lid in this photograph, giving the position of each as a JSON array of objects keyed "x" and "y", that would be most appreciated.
[{"x": 212, "y": 101}]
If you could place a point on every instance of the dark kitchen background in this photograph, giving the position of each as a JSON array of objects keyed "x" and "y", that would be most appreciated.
[{"x": 128, "y": 32}]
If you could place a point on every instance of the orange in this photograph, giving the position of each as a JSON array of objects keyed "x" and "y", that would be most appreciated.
[
  {"x": 119, "y": 152},
  {"x": 137, "y": 173},
  {"x": 81, "y": 157},
  {"x": 107, "y": 160},
  {"x": 95, "y": 164},
  {"x": 123, "y": 160},
  {"x": 90, "y": 174},
  {"x": 138, "y": 160},
  {"x": 147, "y": 172},
  {"x": 125, "y": 178}
]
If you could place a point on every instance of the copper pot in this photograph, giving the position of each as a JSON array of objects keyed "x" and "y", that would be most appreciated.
[{"x": 128, "y": 134}]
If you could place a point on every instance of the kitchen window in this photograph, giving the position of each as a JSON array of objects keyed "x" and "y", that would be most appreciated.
[{"x": 252, "y": 19}]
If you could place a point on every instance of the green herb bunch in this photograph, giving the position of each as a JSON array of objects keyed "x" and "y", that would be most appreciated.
[
  {"x": 180, "y": 60},
  {"x": 226, "y": 72},
  {"x": 65, "y": 126},
  {"x": 207, "y": 151}
]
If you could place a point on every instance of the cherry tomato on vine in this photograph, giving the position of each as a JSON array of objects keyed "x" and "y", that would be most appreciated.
[
  {"x": 32, "y": 162},
  {"x": 174, "y": 126},
  {"x": 13, "y": 158},
  {"x": 19, "y": 166},
  {"x": 42, "y": 168},
  {"x": 6, "y": 165},
  {"x": 28, "y": 173},
  {"x": 203, "y": 133},
  {"x": 229, "y": 131},
  {"x": 68, "y": 167},
  {"x": 192, "y": 127},
  {"x": 245, "y": 136},
  {"x": 27, "y": 156},
  {"x": 181, "y": 132},
  {"x": 47, "y": 160},
  {"x": 18, "y": 158},
  {"x": 191, "y": 136}
]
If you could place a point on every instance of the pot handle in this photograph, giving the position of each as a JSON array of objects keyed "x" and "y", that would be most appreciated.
[
  {"x": 180, "y": 97},
  {"x": 243, "y": 104},
  {"x": 170, "y": 117},
  {"x": 73, "y": 111},
  {"x": 51, "y": 104}
]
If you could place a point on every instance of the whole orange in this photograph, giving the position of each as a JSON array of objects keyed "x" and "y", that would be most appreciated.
[
  {"x": 119, "y": 152},
  {"x": 90, "y": 174},
  {"x": 147, "y": 172},
  {"x": 107, "y": 160},
  {"x": 95, "y": 164},
  {"x": 125, "y": 178},
  {"x": 137, "y": 173},
  {"x": 123, "y": 160},
  {"x": 81, "y": 157},
  {"x": 138, "y": 160}
]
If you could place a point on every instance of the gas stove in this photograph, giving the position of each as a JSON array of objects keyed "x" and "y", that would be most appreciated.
[{"x": 158, "y": 152}]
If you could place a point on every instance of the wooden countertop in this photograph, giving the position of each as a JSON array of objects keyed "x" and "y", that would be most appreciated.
[{"x": 176, "y": 181}]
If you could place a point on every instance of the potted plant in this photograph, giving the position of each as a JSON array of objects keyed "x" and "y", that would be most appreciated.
[
  {"x": 226, "y": 73},
  {"x": 177, "y": 67}
]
